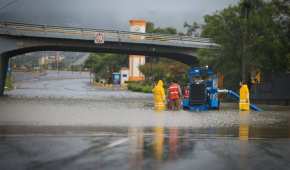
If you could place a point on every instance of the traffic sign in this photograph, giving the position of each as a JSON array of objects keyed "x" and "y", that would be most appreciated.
[{"x": 100, "y": 38}]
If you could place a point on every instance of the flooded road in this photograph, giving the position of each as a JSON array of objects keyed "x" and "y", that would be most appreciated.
[{"x": 58, "y": 121}]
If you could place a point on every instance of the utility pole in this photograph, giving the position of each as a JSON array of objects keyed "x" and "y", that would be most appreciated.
[
  {"x": 57, "y": 60},
  {"x": 245, "y": 12}
]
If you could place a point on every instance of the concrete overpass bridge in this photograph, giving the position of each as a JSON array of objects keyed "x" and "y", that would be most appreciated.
[{"x": 20, "y": 38}]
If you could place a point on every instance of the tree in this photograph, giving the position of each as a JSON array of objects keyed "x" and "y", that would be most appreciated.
[
  {"x": 265, "y": 50},
  {"x": 150, "y": 28},
  {"x": 282, "y": 17},
  {"x": 165, "y": 69},
  {"x": 104, "y": 64},
  {"x": 191, "y": 29}
]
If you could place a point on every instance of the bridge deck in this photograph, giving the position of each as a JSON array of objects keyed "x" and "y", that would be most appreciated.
[{"x": 44, "y": 31}]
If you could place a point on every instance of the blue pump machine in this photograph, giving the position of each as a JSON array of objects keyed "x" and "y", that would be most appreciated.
[{"x": 203, "y": 91}]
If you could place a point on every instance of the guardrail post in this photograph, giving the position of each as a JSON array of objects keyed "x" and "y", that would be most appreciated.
[
  {"x": 119, "y": 36},
  {"x": 82, "y": 32},
  {"x": 44, "y": 29}
]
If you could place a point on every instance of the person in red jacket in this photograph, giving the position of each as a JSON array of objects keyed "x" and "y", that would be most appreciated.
[
  {"x": 186, "y": 92},
  {"x": 174, "y": 95}
]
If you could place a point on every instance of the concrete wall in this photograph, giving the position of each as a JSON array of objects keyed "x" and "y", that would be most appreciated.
[
  {"x": 3, "y": 71},
  {"x": 134, "y": 62}
]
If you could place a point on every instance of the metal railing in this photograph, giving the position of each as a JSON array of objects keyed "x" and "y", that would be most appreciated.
[{"x": 13, "y": 27}]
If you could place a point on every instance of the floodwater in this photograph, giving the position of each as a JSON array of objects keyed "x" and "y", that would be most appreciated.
[{"x": 59, "y": 121}]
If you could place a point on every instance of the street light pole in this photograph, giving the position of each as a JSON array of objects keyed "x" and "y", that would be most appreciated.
[{"x": 246, "y": 6}]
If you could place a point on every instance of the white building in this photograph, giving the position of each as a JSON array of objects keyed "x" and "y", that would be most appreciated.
[
  {"x": 45, "y": 60},
  {"x": 124, "y": 75}
]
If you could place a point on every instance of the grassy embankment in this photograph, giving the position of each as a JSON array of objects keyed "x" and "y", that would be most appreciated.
[{"x": 9, "y": 83}]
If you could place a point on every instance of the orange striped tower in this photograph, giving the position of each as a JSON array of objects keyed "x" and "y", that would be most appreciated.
[{"x": 136, "y": 25}]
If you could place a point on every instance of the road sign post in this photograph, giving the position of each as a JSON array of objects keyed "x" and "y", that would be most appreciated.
[{"x": 100, "y": 38}]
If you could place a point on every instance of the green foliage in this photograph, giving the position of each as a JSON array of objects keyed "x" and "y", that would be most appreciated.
[
  {"x": 139, "y": 87},
  {"x": 266, "y": 47},
  {"x": 165, "y": 69},
  {"x": 103, "y": 65},
  {"x": 156, "y": 70},
  {"x": 162, "y": 68},
  {"x": 191, "y": 28},
  {"x": 150, "y": 28}
]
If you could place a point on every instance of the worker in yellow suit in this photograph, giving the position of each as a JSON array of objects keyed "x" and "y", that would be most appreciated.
[
  {"x": 159, "y": 96},
  {"x": 244, "y": 98}
]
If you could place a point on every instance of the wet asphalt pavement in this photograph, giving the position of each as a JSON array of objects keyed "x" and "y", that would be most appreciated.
[{"x": 58, "y": 121}]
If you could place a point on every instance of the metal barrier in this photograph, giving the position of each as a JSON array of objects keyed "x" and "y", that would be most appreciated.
[{"x": 274, "y": 89}]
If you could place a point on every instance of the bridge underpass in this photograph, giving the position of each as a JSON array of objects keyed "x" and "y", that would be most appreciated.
[
  {"x": 18, "y": 38},
  {"x": 60, "y": 115}
]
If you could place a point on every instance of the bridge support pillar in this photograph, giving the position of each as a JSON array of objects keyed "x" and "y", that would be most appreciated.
[{"x": 3, "y": 71}]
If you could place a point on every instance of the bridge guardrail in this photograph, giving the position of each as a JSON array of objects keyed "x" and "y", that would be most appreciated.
[{"x": 109, "y": 34}]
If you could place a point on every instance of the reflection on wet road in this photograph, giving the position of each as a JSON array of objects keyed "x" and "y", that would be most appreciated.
[
  {"x": 153, "y": 148},
  {"x": 58, "y": 121}
]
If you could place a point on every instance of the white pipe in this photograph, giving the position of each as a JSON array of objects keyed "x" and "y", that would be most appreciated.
[{"x": 223, "y": 90}]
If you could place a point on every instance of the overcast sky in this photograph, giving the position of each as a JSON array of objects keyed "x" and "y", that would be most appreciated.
[{"x": 109, "y": 14}]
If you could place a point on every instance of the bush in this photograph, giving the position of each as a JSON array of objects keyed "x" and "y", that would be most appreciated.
[
  {"x": 147, "y": 89},
  {"x": 166, "y": 70},
  {"x": 139, "y": 87}
]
